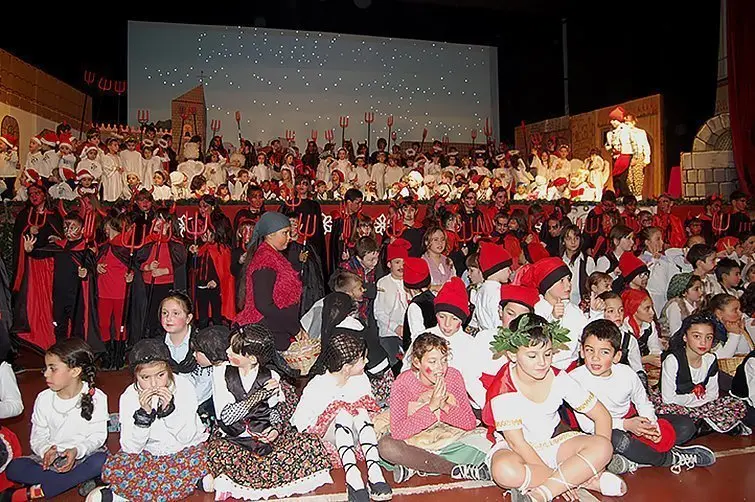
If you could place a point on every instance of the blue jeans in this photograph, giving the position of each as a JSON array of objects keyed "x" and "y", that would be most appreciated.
[{"x": 28, "y": 472}]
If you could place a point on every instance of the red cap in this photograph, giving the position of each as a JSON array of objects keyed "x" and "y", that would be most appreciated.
[
  {"x": 416, "y": 273},
  {"x": 630, "y": 267},
  {"x": 339, "y": 173},
  {"x": 535, "y": 251},
  {"x": 726, "y": 243},
  {"x": 547, "y": 273},
  {"x": 668, "y": 437},
  {"x": 453, "y": 298},
  {"x": 523, "y": 295},
  {"x": 493, "y": 258},
  {"x": 558, "y": 182},
  {"x": 49, "y": 138},
  {"x": 65, "y": 139},
  {"x": 398, "y": 249},
  {"x": 632, "y": 298},
  {"x": 9, "y": 140},
  {"x": 617, "y": 114}
]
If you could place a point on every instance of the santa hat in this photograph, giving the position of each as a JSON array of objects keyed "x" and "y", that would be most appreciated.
[
  {"x": 726, "y": 243},
  {"x": 338, "y": 173},
  {"x": 87, "y": 149},
  {"x": 9, "y": 140},
  {"x": 67, "y": 173},
  {"x": 398, "y": 249},
  {"x": 547, "y": 273},
  {"x": 630, "y": 267},
  {"x": 617, "y": 114},
  {"x": 49, "y": 138},
  {"x": 83, "y": 172},
  {"x": 558, "y": 182},
  {"x": 493, "y": 258},
  {"x": 416, "y": 273},
  {"x": 31, "y": 176},
  {"x": 65, "y": 140},
  {"x": 453, "y": 298},
  {"x": 523, "y": 295}
]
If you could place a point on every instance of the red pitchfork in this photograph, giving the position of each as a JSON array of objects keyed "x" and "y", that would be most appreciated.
[
  {"x": 292, "y": 202},
  {"x": 390, "y": 128},
  {"x": 309, "y": 228},
  {"x": 313, "y": 135},
  {"x": 215, "y": 126},
  {"x": 343, "y": 121},
  {"x": 473, "y": 133},
  {"x": 466, "y": 233},
  {"x": 592, "y": 226},
  {"x": 330, "y": 134},
  {"x": 290, "y": 135},
  {"x": 104, "y": 84},
  {"x": 369, "y": 118},
  {"x": 88, "y": 231},
  {"x": 721, "y": 222},
  {"x": 488, "y": 131},
  {"x": 396, "y": 228}
]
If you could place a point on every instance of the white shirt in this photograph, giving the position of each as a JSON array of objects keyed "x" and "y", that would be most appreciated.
[
  {"x": 661, "y": 269},
  {"x": 575, "y": 321},
  {"x": 415, "y": 320},
  {"x": 162, "y": 192},
  {"x": 200, "y": 378},
  {"x": 736, "y": 344},
  {"x": 58, "y": 422},
  {"x": 575, "y": 296},
  {"x": 538, "y": 421},
  {"x": 488, "y": 298},
  {"x": 619, "y": 141},
  {"x": 11, "y": 404},
  {"x": 166, "y": 436},
  {"x": 391, "y": 303},
  {"x": 750, "y": 377},
  {"x": 322, "y": 391},
  {"x": 617, "y": 392},
  {"x": 674, "y": 315},
  {"x": 222, "y": 397},
  {"x": 603, "y": 263},
  {"x": 669, "y": 370},
  {"x": 640, "y": 140},
  {"x": 260, "y": 172}
]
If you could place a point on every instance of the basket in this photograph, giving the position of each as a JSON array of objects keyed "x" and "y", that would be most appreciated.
[
  {"x": 302, "y": 354},
  {"x": 729, "y": 365}
]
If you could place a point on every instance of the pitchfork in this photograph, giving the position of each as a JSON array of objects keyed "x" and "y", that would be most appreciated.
[
  {"x": 721, "y": 222},
  {"x": 343, "y": 121},
  {"x": 396, "y": 228},
  {"x": 292, "y": 202},
  {"x": 369, "y": 118},
  {"x": 308, "y": 227}
]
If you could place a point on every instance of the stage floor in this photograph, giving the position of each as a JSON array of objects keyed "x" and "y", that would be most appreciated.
[{"x": 728, "y": 479}]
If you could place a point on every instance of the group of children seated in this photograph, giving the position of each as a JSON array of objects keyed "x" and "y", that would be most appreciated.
[{"x": 545, "y": 368}]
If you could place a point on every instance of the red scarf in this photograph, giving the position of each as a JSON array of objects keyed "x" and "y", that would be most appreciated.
[{"x": 286, "y": 290}]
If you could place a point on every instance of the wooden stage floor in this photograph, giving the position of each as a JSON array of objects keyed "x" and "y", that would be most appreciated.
[{"x": 727, "y": 480}]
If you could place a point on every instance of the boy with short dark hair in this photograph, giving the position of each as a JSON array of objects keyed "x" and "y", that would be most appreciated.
[
  {"x": 702, "y": 257},
  {"x": 728, "y": 276},
  {"x": 362, "y": 264},
  {"x": 639, "y": 437}
]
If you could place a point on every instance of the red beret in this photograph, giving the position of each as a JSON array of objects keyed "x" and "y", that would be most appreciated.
[
  {"x": 493, "y": 258},
  {"x": 617, "y": 114},
  {"x": 399, "y": 249},
  {"x": 523, "y": 295},
  {"x": 416, "y": 273},
  {"x": 547, "y": 273}
]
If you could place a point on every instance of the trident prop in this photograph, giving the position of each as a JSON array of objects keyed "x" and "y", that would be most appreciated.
[
  {"x": 184, "y": 116},
  {"x": 330, "y": 134},
  {"x": 290, "y": 136},
  {"x": 313, "y": 135},
  {"x": 369, "y": 118},
  {"x": 422, "y": 144},
  {"x": 193, "y": 111},
  {"x": 215, "y": 127},
  {"x": 308, "y": 228},
  {"x": 473, "y": 133},
  {"x": 396, "y": 228},
  {"x": 119, "y": 87},
  {"x": 488, "y": 131},
  {"x": 446, "y": 141},
  {"x": 390, "y": 128},
  {"x": 89, "y": 77},
  {"x": 238, "y": 124},
  {"x": 142, "y": 116},
  {"x": 343, "y": 121},
  {"x": 194, "y": 229},
  {"x": 721, "y": 222}
]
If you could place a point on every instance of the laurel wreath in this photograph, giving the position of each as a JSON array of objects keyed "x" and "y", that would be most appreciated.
[{"x": 508, "y": 340}]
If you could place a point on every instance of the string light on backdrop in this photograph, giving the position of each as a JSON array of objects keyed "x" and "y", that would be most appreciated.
[{"x": 299, "y": 79}]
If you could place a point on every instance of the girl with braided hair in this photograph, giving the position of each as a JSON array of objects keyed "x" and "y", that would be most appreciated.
[
  {"x": 337, "y": 407},
  {"x": 255, "y": 453},
  {"x": 68, "y": 426}
]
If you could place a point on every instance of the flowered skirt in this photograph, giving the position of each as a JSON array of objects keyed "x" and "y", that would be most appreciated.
[
  {"x": 298, "y": 464},
  {"x": 722, "y": 415},
  {"x": 381, "y": 388},
  {"x": 147, "y": 477}
]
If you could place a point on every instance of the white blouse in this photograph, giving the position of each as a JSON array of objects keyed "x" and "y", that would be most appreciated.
[
  {"x": 322, "y": 391},
  {"x": 11, "y": 404},
  {"x": 669, "y": 370}
]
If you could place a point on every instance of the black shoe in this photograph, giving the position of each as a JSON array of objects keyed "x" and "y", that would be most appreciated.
[
  {"x": 106, "y": 363},
  {"x": 357, "y": 495},
  {"x": 87, "y": 487},
  {"x": 740, "y": 430},
  {"x": 380, "y": 491},
  {"x": 703, "y": 428}
]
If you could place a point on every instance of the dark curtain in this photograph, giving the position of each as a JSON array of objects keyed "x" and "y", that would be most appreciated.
[{"x": 741, "y": 55}]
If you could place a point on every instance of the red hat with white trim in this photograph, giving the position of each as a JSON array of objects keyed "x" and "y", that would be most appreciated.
[
  {"x": 523, "y": 295},
  {"x": 9, "y": 140},
  {"x": 83, "y": 172},
  {"x": 453, "y": 298},
  {"x": 65, "y": 140},
  {"x": 67, "y": 173},
  {"x": 49, "y": 138},
  {"x": 493, "y": 258}
]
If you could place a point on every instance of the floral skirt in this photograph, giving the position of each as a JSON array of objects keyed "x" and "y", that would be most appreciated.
[
  {"x": 298, "y": 464},
  {"x": 147, "y": 477},
  {"x": 381, "y": 388},
  {"x": 322, "y": 425},
  {"x": 722, "y": 415}
]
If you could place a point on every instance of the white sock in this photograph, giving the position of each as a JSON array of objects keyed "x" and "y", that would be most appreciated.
[
  {"x": 345, "y": 446},
  {"x": 368, "y": 442}
]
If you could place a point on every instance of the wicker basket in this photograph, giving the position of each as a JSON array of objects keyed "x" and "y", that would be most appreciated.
[
  {"x": 729, "y": 365},
  {"x": 302, "y": 354}
]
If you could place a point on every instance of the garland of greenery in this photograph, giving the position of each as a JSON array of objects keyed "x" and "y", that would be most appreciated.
[{"x": 508, "y": 340}]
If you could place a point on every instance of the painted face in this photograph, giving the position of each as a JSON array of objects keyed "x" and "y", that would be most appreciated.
[
  {"x": 36, "y": 196},
  {"x": 153, "y": 376},
  {"x": 614, "y": 311},
  {"x": 699, "y": 338},
  {"x": 501, "y": 225},
  {"x": 173, "y": 316},
  {"x": 645, "y": 312},
  {"x": 554, "y": 228},
  {"x": 664, "y": 204},
  {"x": 432, "y": 366},
  {"x": 240, "y": 360},
  {"x": 448, "y": 323},
  {"x": 58, "y": 375},
  {"x": 535, "y": 361},
  {"x": 599, "y": 355},
  {"x": 511, "y": 311},
  {"x": 72, "y": 230}
]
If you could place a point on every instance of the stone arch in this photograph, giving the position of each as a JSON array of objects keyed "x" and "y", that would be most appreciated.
[{"x": 714, "y": 135}]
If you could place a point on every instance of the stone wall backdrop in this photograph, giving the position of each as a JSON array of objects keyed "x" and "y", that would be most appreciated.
[{"x": 709, "y": 168}]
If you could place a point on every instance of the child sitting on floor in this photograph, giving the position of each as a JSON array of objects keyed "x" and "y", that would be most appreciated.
[
  {"x": 336, "y": 406},
  {"x": 639, "y": 437},
  {"x": 431, "y": 417},
  {"x": 728, "y": 274},
  {"x": 685, "y": 291},
  {"x": 689, "y": 381},
  {"x": 11, "y": 405},
  {"x": 522, "y": 412},
  {"x": 68, "y": 427},
  {"x": 163, "y": 454},
  {"x": 495, "y": 265},
  {"x": 420, "y": 315},
  {"x": 640, "y": 345}
]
